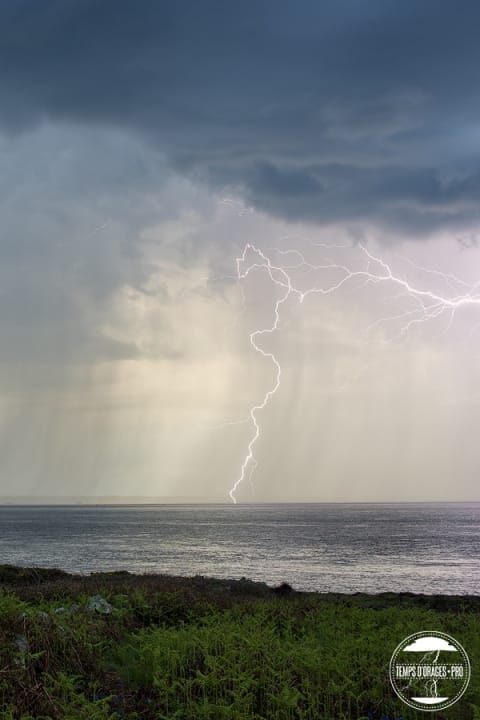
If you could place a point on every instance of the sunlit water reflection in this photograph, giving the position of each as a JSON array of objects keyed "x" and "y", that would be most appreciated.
[{"x": 347, "y": 548}]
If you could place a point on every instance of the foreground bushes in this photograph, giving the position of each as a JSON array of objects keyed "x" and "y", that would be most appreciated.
[{"x": 187, "y": 649}]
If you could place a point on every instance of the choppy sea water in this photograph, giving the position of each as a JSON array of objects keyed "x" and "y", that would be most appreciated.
[{"x": 429, "y": 548}]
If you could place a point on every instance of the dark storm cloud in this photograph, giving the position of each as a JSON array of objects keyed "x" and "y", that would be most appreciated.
[
  {"x": 73, "y": 205},
  {"x": 318, "y": 110}
]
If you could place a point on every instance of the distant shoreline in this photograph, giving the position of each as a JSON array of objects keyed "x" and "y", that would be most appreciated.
[{"x": 155, "y": 502}]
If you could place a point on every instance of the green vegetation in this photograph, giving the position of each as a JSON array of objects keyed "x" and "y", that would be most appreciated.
[{"x": 115, "y": 645}]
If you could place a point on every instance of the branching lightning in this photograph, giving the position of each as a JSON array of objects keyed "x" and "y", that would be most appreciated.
[
  {"x": 431, "y": 684},
  {"x": 328, "y": 278}
]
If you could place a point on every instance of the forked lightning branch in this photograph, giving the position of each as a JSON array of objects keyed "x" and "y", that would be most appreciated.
[{"x": 281, "y": 267}]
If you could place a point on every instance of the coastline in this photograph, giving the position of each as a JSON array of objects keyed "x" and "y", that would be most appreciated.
[
  {"x": 119, "y": 645},
  {"x": 26, "y": 581}
]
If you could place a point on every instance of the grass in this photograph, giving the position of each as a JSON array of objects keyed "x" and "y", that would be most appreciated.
[{"x": 201, "y": 648}]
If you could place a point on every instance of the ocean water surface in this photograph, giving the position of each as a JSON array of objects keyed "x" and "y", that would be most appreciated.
[{"x": 429, "y": 548}]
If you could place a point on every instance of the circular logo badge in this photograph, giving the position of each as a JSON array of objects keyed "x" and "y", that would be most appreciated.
[{"x": 429, "y": 670}]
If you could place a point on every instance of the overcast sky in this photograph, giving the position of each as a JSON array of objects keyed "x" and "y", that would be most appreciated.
[{"x": 142, "y": 145}]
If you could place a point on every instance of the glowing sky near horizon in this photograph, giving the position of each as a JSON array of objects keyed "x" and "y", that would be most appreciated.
[{"x": 141, "y": 149}]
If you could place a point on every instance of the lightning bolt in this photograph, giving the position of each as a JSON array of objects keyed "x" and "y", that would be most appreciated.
[
  {"x": 287, "y": 289},
  {"x": 431, "y": 685},
  {"x": 426, "y": 305}
]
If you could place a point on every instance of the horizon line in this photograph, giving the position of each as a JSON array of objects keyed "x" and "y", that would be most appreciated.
[{"x": 67, "y": 501}]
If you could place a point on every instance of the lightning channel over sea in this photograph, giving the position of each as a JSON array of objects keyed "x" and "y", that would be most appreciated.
[{"x": 280, "y": 267}]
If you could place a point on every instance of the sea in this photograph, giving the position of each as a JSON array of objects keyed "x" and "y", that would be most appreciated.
[{"x": 328, "y": 547}]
